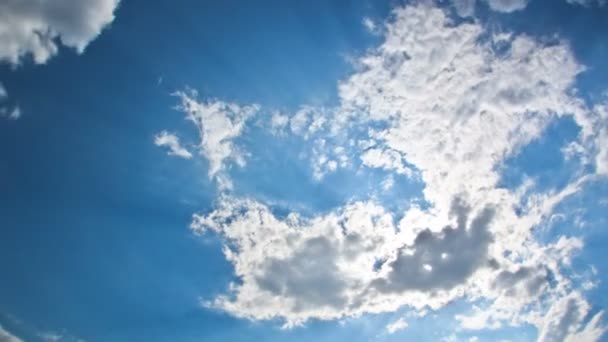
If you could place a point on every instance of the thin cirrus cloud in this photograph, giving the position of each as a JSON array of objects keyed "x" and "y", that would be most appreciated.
[{"x": 450, "y": 103}]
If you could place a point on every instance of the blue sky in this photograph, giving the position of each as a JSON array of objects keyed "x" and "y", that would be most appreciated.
[{"x": 325, "y": 170}]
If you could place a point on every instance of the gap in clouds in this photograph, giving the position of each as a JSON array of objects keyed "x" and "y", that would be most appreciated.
[
  {"x": 278, "y": 172},
  {"x": 543, "y": 161}
]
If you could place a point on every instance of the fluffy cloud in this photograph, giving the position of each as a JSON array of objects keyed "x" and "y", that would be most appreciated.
[
  {"x": 397, "y": 325},
  {"x": 6, "y": 336},
  {"x": 601, "y": 160},
  {"x": 218, "y": 123},
  {"x": 171, "y": 141},
  {"x": 448, "y": 102},
  {"x": 35, "y": 28},
  {"x": 564, "y": 321}
]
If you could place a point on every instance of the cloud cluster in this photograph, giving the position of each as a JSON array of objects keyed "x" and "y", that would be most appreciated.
[
  {"x": 444, "y": 103},
  {"x": 218, "y": 124}
]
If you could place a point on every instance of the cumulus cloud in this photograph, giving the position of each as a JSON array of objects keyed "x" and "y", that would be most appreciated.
[
  {"x": 444, "y": 260},
  {"x": 564, "y": 321},
  {"x": 397, "y": 325},
  {"x": 218, "y": 124},
  {"x": 6, "y": 336},
  {"x": 36, "y": 28},
  {"x": 171, "y": 141},
  {"x": 450, "y": 103}
]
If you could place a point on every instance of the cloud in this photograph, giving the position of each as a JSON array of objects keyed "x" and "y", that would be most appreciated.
[
  {"x": 587, "y": 2},
  {"x": 564, "y": 321},
  {"x": 218, "y": 124},
  {"x": 385, "y": 159},
  {"x": 464, "y": 8},
  {"x": 171, "y": 141},
  {"x": 6, "y": 336},
  {"x": 448, "y": 102},
  {"x": 441, "y": 261},
  {"x": 507, "y": 6},
  {"x": 278, "y": 122},
  {"x": 371, "y": 26},
  {"x": 397, "y": 325},
  {"x": 36, "y": 28},
  {"x": 601, "y": 160},
  {"x": 7, "y": 111}
]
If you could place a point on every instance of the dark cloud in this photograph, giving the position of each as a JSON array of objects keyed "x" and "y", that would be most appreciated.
[{"x": 442, "y": 260}]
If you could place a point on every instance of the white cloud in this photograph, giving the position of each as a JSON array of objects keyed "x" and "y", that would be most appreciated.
[
  {"x": 6, "y": 336},
  {"x": 507, "y": 5},
  {"x": 218, "y": 124},
  {"x": 601, "y": 160},
  {"x": 564, "y": 321},
  {"x": 6, "y": 111},
  {"x": 464, "y": 8},
  {"x": 278, "y": 122},
  {"x": 388, "y": 183},
  {"x": 397, "y": 325},
  {"x": 370, "y": 25},
  {"x": 36, "y": 27},
  {"x": 452, "y": 101},
  {"x": 171, "y": 141},
  {"x": 385, "y": 159},
  {"x": 587, "y": 2}
]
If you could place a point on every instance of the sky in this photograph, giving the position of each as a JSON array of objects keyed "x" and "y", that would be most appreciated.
[{"x": 303, "y": 170}]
